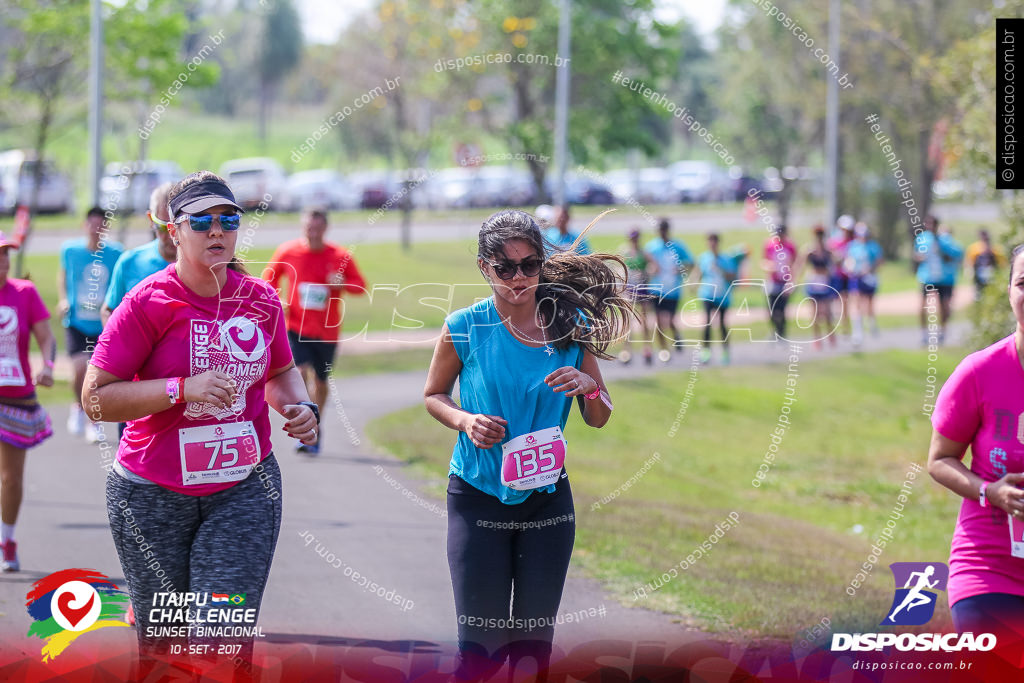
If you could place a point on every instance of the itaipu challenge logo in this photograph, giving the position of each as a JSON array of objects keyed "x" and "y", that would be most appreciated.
[{"x": 72, "y": 602}]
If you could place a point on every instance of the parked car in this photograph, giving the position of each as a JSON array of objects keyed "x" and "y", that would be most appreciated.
[
  {"x": 700, "y": 181},
  {"x": 125, "y": 186},
  {"x": 257, "y": 180},
  {"x": 643, "y": 185},
  {"x": 582, "y": 189},
  {"x": 503, "y": 186},
  {"x": 742, "y": 184},
  {"x": 325, "y": 188},
  {"x": 371, "y": 187},
  {"x": 17, "y": 168},
  {"x": 453, "y": 188}
]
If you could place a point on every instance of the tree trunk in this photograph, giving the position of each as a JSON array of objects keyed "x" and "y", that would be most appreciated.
[
  {"x": 264, "y": 113},
  {"x": 538, "y": 170},
  {"x": 42, "y": 135},
  {"x": 927, "y": 174},
  {"x": 785, "y": 201}
]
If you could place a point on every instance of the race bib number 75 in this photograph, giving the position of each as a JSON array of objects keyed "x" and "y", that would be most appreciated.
[
  {"x": 533, "y": 460},
  {"x": 215, "y": 454}
]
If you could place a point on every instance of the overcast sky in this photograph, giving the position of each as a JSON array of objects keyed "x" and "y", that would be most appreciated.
[{"x": 322, "y": 20}]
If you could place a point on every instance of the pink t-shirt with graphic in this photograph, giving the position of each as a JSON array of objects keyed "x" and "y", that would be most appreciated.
[
  {"x": 782, "y": 254},
  {"x": 20, "y": 308},
  {"x": 982, "y": 403},
  {"x": 163, "y": 329}
]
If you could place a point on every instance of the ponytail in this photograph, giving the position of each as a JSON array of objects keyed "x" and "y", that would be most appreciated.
[{"x": 580, "y": 296}]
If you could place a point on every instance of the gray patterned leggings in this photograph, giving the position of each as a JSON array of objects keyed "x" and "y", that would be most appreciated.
[{"x": 171, "y": 543}]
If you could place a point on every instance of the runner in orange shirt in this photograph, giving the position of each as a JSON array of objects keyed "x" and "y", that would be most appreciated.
[{"x": 317, "y": 272}]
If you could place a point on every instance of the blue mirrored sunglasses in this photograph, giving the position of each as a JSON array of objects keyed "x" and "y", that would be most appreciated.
[{"x": 204, "y": 223}]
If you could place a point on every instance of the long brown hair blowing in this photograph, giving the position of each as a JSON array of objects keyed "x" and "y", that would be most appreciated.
[{"x": 580, "y": 296}]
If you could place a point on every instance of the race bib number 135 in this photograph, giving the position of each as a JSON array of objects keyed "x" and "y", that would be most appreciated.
[{"x": 533, "y": 460}]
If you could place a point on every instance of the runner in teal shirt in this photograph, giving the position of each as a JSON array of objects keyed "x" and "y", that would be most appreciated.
[
  {"x": 135, "y": 265},
  {"x": 82, "y": 281},
  {"x": 520, "y": 358}
]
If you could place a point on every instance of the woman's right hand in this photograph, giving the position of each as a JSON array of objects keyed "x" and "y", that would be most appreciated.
[
  {"x": 484, "y": 430},
  {"x": 213, "y": 387},
  {"x": 1005, "y": 494}
]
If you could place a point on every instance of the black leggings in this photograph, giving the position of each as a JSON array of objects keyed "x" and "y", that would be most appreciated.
[
  {"x": 777, "y": 302},
  {"x": 999, "y": 613},
  {"x": 493, "y": 547},
  {"x": 709, "y": 310}
]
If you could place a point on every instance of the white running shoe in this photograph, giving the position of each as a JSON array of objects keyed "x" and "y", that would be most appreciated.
[
  {"x": 76, "y": 420},
  {"x": 94, "y": 432}
]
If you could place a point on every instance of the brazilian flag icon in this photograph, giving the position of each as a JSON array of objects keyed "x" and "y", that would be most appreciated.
[{"x": 238, "y": 598}]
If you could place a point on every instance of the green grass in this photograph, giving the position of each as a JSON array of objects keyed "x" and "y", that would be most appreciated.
[
  {"x": 351, "y": 365},
  {"x": 422, "y": 280},
  {"x": 856, "y": 428}
]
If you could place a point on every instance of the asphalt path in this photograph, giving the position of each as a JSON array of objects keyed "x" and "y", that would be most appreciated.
[{"x": 356, "y": 503}]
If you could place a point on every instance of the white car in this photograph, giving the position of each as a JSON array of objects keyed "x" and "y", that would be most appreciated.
[
  {"x": 125, "y": 187},
  {"x": 700, "y": 181},
  {"x": 16, "y": 173},
  {"x": 643, "y": 185},
  {"x": 323, "y": 188},
  {"x": 257, "y": 180}
]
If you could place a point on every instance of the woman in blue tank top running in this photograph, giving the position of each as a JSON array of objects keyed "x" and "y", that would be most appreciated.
[{"x": 520, "y": 356}]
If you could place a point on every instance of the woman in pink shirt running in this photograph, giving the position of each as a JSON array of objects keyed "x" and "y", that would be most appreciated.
[
  {"x": 981, "y": 405},
  {"x": 23, "y": 422},
  {"x": 192, "y": 360}
]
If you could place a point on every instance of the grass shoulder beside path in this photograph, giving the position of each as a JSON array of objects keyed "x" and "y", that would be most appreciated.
[{"x": 856, "y": 428}]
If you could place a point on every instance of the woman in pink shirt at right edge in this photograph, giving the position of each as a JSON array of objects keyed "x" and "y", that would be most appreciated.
[
  {"x": 981, "y": 405},
  {"x": 192, "y": 360}
]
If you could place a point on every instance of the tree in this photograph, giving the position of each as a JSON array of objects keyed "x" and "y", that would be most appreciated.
[
  {"x": 395, "y": 47},
  {"x": 966, "y": 72},
  {"x": 146, "y": 64},
  {"x": 46, "y": 60},
  {"x": 280, "y": 50},
  {"x": 607, "y": 37},
  {"x": 772, "y": 94}
]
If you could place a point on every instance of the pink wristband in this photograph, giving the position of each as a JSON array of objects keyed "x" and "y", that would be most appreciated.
[
  {"x": 595, "y": 394},
  {"x": 175, "y": 389}
]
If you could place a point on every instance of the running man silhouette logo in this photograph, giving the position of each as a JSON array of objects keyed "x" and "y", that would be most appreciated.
[
  {"x": 914, "y": 602},
  {"x": 72, "y": 602}
]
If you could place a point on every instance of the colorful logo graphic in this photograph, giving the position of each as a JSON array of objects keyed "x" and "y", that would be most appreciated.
[
  {"x": 238, "y": 598},
  {"x": 917, "y": 588},
  {"x": 71, "y": 602}
]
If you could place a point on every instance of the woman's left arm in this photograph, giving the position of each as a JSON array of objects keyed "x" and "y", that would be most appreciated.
[
  {"x": 48, "y": 346},
  {"x": 581, "y": 382},
  {"x": 283, "y": 391}
]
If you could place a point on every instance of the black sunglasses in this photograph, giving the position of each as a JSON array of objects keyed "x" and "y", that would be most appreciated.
[{"x": 507, "y": 270}]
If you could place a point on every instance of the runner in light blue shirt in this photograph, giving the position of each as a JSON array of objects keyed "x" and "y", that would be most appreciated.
[
  {"x": 82, "y": 280},
  {"x": 135, "y": 265},
  {"x": 716, "y": 272},
  {"x": 938, "y": 256},
  {"x": 561, "y": 238},
  {"x": 671, "y": 260}
]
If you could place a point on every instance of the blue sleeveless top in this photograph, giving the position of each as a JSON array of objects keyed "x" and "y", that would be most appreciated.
[{"x": 504, "y": 377}]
